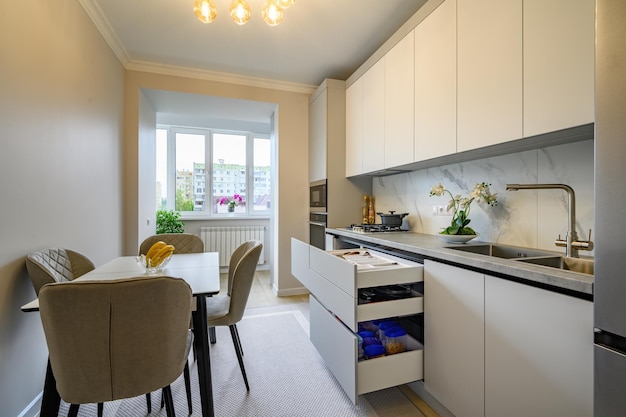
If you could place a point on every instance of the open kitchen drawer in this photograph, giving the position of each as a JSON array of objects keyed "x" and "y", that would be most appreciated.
[
  {"x": 351, "y": 269},
  {"x": 334, "y": 279},
  {"x": 339, "y": 275},
  {"x": 338, "y": 347}
]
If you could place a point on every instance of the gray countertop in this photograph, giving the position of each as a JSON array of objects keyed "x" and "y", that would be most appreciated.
[{"x": 434, "y": 247}]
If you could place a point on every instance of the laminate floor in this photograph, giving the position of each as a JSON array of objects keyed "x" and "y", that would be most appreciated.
[{"x": 262, "y": 295}]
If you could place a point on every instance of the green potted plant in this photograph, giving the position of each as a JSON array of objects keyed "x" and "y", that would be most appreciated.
[{"x": 168, "y": 221}]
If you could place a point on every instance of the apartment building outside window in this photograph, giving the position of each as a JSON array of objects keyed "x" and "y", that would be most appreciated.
[{"x": 201, "y": 171}]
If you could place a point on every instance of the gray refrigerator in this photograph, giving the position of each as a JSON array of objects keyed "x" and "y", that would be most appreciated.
[{"x": 610, "y": 209}]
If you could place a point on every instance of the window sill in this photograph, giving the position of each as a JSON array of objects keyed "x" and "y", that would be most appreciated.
[{"x": 222, "y": 217}]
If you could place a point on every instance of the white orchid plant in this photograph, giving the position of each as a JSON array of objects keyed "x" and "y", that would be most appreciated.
[{"x": 460, "y": 207}]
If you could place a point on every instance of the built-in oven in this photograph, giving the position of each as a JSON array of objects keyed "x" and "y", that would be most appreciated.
[
  {"x": 317, "y": 230},
  {"x": 317, "y": 214}
]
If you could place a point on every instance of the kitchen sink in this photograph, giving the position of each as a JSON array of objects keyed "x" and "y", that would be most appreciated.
[
  {"x": 581, "y": 265},
  {"x": 501, "y": 251},
  {"x": 531, "y": 256}
]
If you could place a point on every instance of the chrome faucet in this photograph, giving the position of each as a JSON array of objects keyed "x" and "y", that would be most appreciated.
[{"x": 571, "y": 242}]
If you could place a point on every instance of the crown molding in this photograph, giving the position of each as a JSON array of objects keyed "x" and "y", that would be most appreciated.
[
  {"x": 223, "y": 77},
  {"x": 102, "y": 24}
]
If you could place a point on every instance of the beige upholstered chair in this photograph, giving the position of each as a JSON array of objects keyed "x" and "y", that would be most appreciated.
[
  {"x": 62, "y": 265},
  {"x": 227, "y": 310},
  {"x": 99, "y": 354},
  {"x": 235, "y": 257},
  {"x": 56, "y": 265},
  {"x": 183, "y": 242}
]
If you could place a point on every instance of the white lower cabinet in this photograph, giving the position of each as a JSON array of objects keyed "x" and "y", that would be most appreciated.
[
  {"x": 454, "y": 338},
  {"x": 335, "y": 314},
  {"x": 538, "y": 352},
  {"x": 500, "y": 348}
]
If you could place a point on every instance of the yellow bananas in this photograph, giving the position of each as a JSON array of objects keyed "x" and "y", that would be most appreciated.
[
  {"x": 158, "y": 253},
  {"x": 155, "y": 248}
]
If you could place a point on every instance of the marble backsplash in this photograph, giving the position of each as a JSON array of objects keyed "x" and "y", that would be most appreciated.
[{"x": 530, "y": 218}]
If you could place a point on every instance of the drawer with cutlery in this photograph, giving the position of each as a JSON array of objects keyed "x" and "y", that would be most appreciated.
[
  {"x": 352, "y": 292},
  {"x": 354, "y": 274}
]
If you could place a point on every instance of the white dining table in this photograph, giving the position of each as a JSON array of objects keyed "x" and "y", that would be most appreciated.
[{"x": 200, "y": 271}]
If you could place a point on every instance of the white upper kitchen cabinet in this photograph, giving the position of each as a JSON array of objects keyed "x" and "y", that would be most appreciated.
[
  {"x": 489, "y": 72},
  {"x": 379, "y": 113},
  {"x": 399, "y": 103},
  {"x": 374, "y": 117},
  {"x": 327, "y": 130},
  {"x": 559, "y": 38},
  {"x": 354, "y": 128},
  {"x": 435, "y": 83}
]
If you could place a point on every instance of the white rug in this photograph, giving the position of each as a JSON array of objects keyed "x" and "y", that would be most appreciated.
[{"x": 287, "y": 377}]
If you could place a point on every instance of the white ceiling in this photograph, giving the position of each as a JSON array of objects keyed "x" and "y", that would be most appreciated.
[{"x": 317, "y": 39}]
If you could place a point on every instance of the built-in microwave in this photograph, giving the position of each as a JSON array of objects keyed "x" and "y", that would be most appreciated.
[
  {"x": 318, "y": 214},
  {"x": 317, "y": 196}
]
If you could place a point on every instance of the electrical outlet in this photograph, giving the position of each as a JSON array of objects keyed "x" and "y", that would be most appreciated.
[{"x": 440, "y": 211}]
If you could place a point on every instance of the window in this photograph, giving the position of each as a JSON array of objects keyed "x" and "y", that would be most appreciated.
[{"x": 210, "y": 172}]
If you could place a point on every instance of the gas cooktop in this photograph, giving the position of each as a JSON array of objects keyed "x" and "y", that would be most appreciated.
[{"x": 375, "y": 228}]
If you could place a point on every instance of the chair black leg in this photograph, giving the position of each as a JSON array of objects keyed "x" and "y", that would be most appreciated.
[
  {"x": 100, "y": 409},
  {"x": 73, "y": 410},
  {"x": 149, "y": 402},
  {"x": 169, "y": 402},
  {"x": 188, "y": 387},
  {"x": 238, "y": 339},
  {"x": 239, "y": 357},
  {"x": 212, "y": 337}
]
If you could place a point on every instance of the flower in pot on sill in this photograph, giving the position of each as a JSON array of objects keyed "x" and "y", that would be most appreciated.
[
  {"x": 232, "y": 202},
  {"x": 460, "y": 207}
]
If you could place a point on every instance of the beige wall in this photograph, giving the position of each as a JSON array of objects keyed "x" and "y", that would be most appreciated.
[
  {"x": 290, "y": 214},
  {"x": 146, "y": 172},
  {"x": 61, "y": 114}
]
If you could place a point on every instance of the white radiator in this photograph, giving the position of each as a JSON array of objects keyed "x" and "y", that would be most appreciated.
[{"x": 225, "y": 239}]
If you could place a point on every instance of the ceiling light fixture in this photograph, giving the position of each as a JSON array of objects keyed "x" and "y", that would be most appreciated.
[
  {"x": 240, "y": 11},
  {"x": 205, "y": 10},
  {"x": 272, "y": 11}
]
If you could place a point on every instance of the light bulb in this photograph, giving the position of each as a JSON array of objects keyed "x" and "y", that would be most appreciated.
[
  {"x": 240, "y": 11},
  {"x": 205, "y": 10},
  {"x": 272, "y": 13},
  {"x": 284, "y": 4}
]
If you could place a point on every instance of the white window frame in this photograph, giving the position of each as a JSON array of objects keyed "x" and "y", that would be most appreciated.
[{"x": 208, "y": 140}]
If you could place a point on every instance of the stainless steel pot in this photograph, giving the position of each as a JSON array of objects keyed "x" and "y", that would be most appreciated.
[{"x": 392, "y": 219}]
